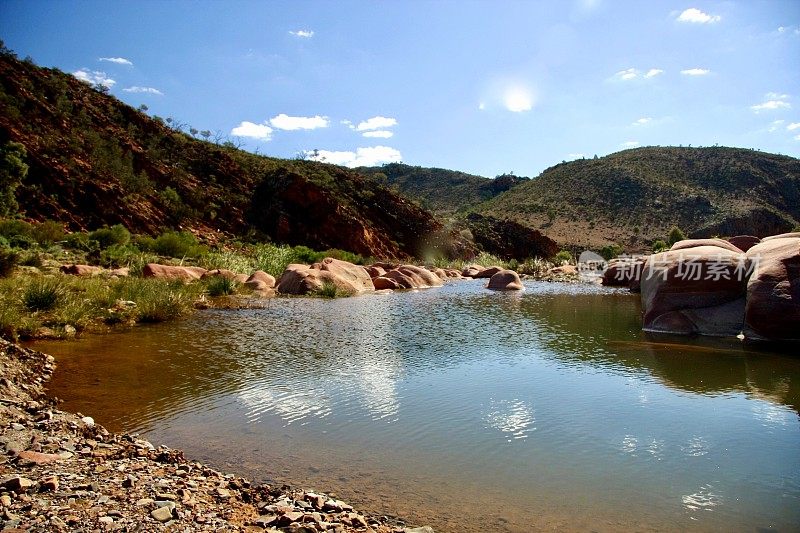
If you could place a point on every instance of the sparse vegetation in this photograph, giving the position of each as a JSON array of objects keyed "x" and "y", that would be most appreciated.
[
  {"x": 221, "y": 286},
  {"x": 675, "y": 235},
  {"x": 563, "y": 257}
]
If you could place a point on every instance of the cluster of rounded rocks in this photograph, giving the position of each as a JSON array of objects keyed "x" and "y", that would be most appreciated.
[{"x": 62, "y": 472}]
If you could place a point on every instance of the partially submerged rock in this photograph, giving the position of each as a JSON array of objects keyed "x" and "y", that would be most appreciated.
[
  {"x": 505, "y": 280},
  {"x": 304, "y": 279},
  {"x": 488, "y": 272},
  {"x": 773, "y": 291},
  {"x": 695, "y": 289},
  {"x": 259, "y": 281}
]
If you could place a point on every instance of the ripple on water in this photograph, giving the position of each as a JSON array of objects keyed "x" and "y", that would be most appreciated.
[
  {"x": 704, "y": 499},
  {"x": 513, "y": 418}
]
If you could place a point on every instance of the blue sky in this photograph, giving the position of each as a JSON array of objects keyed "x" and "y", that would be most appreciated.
[{"x": 484, "y": 87}]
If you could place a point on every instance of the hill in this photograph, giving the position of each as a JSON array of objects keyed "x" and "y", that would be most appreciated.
[
  {"x": 94, "y": 160},
  {"x": 443, "y": 191},
  {"x": 635, "y": 196}
]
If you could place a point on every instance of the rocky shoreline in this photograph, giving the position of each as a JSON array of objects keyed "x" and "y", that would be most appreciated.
[{"x": 61, "y": 471}]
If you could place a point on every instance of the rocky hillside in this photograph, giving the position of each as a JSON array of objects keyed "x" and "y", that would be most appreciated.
[
  {"x": 636, "y": 196},
  {"x": 94, "y": 160},
  {"x": 443, "y": 191}
]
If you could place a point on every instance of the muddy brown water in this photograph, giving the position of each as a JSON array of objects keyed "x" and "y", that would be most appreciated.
[{"x": 465, "y": 409}]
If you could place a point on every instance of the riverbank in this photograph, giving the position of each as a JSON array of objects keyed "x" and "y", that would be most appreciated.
[{"x": 61, "y": 471}]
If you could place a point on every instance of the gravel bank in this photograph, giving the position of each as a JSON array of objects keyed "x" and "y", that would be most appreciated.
[{"x": 62, "y": 472}]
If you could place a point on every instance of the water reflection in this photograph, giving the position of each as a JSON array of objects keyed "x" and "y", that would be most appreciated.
[
  {"x": 552, "y": 398},
  {"x": 513, "y": 418}
]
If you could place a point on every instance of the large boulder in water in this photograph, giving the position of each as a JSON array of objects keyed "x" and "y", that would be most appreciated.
[
  {"x": 505, "y": 280},
  {"x": 695, "y": 289},
  {"x": 153, "y": 270},
  {"x": 304, "y": 279},
  {"x": 382, "y": 283},
  {"x": 773, "y": 291},
  {"x": 414, "y": 277},
  {"x": 352, "y": 278}
]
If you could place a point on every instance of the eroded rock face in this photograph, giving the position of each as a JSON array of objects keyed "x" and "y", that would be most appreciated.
[
  {"x": 299, "y": 279},
  {"x": 153, "y": 270},
  {"x": 505, "y": 280},
  {"x": 383, "y": 283},
  {"x": 695, "y": 289},
  {"x": 773, "y": 291}
]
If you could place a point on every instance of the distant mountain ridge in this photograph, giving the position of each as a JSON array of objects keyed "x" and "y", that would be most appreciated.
[
  {"x": 442, "y": 191},
  {"x": 635, "y": 196},
  {"x": 95, "y": 160}
]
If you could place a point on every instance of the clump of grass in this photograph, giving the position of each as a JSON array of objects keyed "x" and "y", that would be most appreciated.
[
  {"x": 43, "y": 294},
  {"x": 173, "y": 244},
  {"x": 328, "y": 290},
  {"x": 8, "y": 260},
  {"x": 221, "y": 286},
  {"x": 236, "y": 261},
  {"x": 157, "y": 300},
  {"x": 116, "y": 234}
]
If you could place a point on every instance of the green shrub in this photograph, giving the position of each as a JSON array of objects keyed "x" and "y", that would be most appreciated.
[
  {"x": 48, "y": 232},
  {"x": 13, "y": 170},
  {"x": 331, "y": 290},
  {"x": 77, "y": 241},
  {"x": 274, "y": 259},
  {"x": 220, "y": 286},
  {"x": 610, "y": 251},
  {"x": 660, "y": 246},
  {"x": 116, "y": 234},
  {"x": 177, "y": 244},
  {"x": 305, "y": 255},
  {"x": 342, "y": 255},
  {"x": 43, "y": 294},
  {"x": 562, "y": 257},
  {"x": 119, "y": 255},
  {"x": 675, "y": 235},
  {"x": 12, "y": 228},
  {"x": 8, "y": 260}
]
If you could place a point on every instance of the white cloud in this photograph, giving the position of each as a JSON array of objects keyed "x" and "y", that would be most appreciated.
[
  {"x": 518, "y": 99},
  {"x": 797, "y": 137},
  {"x": 776, "y": 125},
  {"x": 262, "y": 132},
  {"x": 630, "y": 144},
  {"x": 695, "y": 72},
  {"x": 285, "y": 122},
  {"x": 776, "y": 96},
  {"x": 376, "y": 123},
  {"x": 696, "y": 16},
  {"x": 481, "y": 106},
  {"x": 145, "y": 90},
  {"x": 117, "y": 60},
  {"x": 305, "y": 34},
  {"x": 642, "y": 121},
  {"x": 362, "y": 157},
  {"x": 653, "y": 72},
  {"x": 627, "y": 74},
  {"x": 793, "y": 126},
  {"x": 771, "y": 102},
  {"x": 94, "y": 77},
  {"x": 383, "y": 134},
  {"x": 347, "y": 123}
]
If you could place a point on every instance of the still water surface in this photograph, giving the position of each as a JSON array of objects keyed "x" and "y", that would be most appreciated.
[{"x": 465, "y": 409}]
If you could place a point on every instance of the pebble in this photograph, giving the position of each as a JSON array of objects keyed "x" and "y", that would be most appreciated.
[{"x": 162, "y": 514}]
